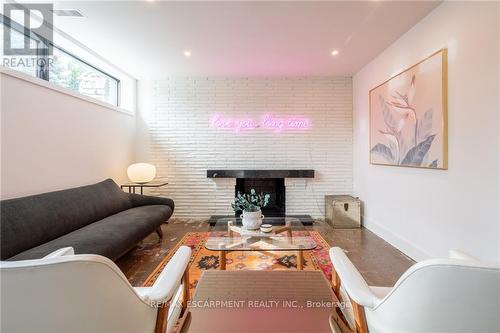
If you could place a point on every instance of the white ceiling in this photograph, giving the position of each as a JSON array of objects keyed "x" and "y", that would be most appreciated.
[{"x": 148, "y": 38}]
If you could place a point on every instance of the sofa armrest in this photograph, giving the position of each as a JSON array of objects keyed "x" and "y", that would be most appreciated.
[
  {"x": 145, "y": 200},
  {"x": 169, "y": 279},
  {"x": 351, "y": 280},
  {"x": 65, "y": 251}
]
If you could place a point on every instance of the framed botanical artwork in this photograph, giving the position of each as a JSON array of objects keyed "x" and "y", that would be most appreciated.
[{"x": 408, "y": 116}]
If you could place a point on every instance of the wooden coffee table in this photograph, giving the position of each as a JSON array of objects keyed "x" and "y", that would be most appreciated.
[
  {"x": 261, "y": 301},
  {"x": 237, "y": 238}
]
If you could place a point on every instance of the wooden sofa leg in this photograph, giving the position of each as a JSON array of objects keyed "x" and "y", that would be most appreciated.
[{"x": 159, "y": 232}]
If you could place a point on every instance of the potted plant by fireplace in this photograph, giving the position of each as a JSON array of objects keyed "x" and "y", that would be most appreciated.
[{"x": 250, "y": 205}]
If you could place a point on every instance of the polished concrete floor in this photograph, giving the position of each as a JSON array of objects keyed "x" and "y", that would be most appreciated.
[{"x": 380, "y": 263}]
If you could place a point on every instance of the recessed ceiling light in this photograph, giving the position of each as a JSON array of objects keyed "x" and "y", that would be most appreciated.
[
  {"x": 335, "y": 52},
  {"x": 187, "y": 53}
]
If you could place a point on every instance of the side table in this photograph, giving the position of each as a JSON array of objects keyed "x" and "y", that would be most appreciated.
[{"x": 133, "y": 186}]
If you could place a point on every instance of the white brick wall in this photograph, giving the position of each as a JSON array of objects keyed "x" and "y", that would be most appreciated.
[{"x": 183, "y": 145}]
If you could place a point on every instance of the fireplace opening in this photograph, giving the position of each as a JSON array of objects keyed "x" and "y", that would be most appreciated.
[{"x": 275, "y": 187}]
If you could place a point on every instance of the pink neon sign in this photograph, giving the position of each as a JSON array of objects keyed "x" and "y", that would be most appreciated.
[{"x": 267, "y": 121}]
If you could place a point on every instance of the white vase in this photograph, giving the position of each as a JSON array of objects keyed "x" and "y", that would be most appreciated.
[{"x": 252, "y": 220}]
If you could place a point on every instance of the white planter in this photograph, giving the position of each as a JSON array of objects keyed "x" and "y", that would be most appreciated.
[{"x": 251, "y": 220}]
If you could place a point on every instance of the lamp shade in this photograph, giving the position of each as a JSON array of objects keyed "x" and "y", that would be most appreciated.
[{"x": 141, "y": 173}]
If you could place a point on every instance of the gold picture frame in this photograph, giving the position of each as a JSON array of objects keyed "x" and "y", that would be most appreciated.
[{"x": 408, "y": 116}]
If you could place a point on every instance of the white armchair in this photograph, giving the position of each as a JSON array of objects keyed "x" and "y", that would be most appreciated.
[
  {"x": 64, "y": 292},
  {"x": 457, "y": 294}
]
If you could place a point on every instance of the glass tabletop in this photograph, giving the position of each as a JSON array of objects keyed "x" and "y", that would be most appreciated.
[
  {"x": 260, "y": 243},
  {"x": 295, "y": 223},
  {"x": 228, "y": 234}
]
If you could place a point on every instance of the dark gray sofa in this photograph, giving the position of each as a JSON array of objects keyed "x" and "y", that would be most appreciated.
[{"x": 95, "y": 219}]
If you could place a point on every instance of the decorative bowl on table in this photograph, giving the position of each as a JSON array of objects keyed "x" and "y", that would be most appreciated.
[{"x": 266, "y": 228}]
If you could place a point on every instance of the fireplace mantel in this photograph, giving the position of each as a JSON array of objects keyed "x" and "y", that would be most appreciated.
[{"x": 260, "y": 173}]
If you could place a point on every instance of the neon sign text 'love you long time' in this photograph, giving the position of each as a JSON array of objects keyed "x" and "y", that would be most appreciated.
[{"x": 266, "y": 121}]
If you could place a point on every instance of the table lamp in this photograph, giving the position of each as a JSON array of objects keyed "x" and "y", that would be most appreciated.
[{"x": 141, "y": 173}]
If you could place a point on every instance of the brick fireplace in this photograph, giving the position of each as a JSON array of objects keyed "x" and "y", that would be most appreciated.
[{"x": 267, "y": 181}]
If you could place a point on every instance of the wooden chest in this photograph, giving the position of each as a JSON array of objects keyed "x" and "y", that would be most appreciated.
[{"x": 343, "y": 211}]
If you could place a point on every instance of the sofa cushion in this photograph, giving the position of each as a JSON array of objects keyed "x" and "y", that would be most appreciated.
[
  {"x": 110, "y": 237},
  {"x": 34, "y": 220}
]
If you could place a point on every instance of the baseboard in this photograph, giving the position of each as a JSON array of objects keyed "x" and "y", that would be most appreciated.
[{"x": 401, "y": 243}]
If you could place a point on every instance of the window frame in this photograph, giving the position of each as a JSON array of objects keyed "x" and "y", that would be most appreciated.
[
  {"x": 42, "y": 72},
  {"x": 118, "y": 86}
]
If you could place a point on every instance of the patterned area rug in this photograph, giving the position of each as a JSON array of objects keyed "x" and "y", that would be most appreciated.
[{"x": 203, "y": 259}]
